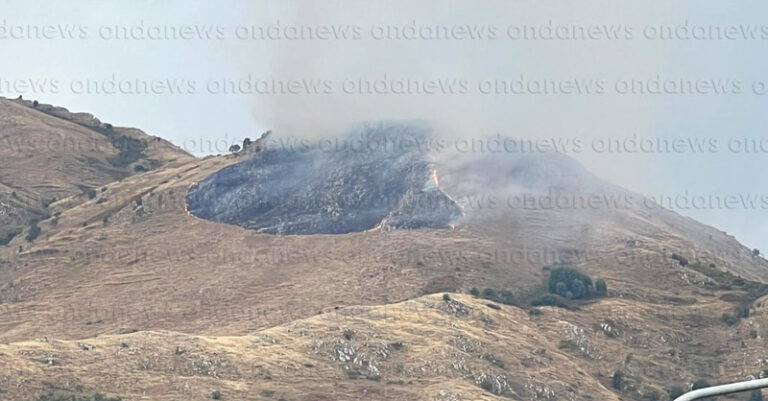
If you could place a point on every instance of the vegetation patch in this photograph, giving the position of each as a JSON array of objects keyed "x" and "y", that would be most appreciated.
[
  {"x": 8, "y": 238},
  {"x": 67, "y": 396},
  {"x": 33, "y": 233},
  {"x": 680, "y": 259},
  {"x": 505, "y": 297},
  {"x": 570, "y": 283},
  {"x": 550, "y": 300},
  {"x": 90, "y": 193}
]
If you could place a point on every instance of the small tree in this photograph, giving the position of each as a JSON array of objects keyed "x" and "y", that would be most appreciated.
[
  {"x": 234, "y": 148},
  {"x": 34, "y": 232},
  {"x": 489, "y": 293},
  {"x": 507, "y": 297},
  {"x": 617, "y": 381},
  {"x": 561, "y": 289},
  {"x": 755, "y": 252},
  {"x": 680, "y": 259},
  {"x": 701, "y": 383},
  {"x": 601, "y": 288},
  {"x": 757, "y": 395},
  {"x": 675, "y": 392},
  {"x": 474, "y": 291},
  {"x": 578, "y": 289}
]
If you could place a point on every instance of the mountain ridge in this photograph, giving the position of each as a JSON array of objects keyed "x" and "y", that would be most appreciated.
[{"x": 131, "y": 261}]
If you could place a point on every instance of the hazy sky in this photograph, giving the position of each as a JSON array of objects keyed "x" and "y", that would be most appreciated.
[{"x": 692, "y": 71}]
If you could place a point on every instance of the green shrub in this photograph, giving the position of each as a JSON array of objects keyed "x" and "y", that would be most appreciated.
[
  {"x": 675, "y": 392},
  {"x": 729, "y": 319},
  {"x": 550, "y": 300},
  {"x": 504, "y": 296},
  {"x": 8, "y": 238},
  {"x": 756, "y": 395},
  {"x": 33, "y": 233},
  {"x": 507, "y": 297},
  {"x": 89, "y": 192},
  {"x": 701, "y": 383},
  {"x": 216, "y": 395},
  {"x": 742, "y": 311},
  {"x": 617, "y": 380},
  {"x": 570, "y": 283},
  {"x": 474, "y": 291},
  {"x": 62, "y": 396},
  {"x": 561, "y": 289},
  {"x": 601, "y": 288},
  {"x": 498, "y": 362},
  {"x": 683, "y": 261},
  {"x": 129, "y": 149}
]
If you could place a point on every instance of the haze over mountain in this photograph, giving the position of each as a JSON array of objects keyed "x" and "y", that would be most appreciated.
[{"x": 157, "y": 285}]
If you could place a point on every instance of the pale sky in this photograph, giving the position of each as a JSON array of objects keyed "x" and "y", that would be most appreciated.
[{"x": 712, "y": 41}]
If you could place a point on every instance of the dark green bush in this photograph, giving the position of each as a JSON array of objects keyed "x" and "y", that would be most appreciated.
[
  {"x": 701, "y": 383},
  {"x": 742, "y": 311},
  {"x": 8, "y": 238},
  {"x": 601, "y": 288},
  {"x": 683, "y": 261},
  {"x": 489, "y": 293},
  {"x": 729, "y": 319},
  {"x": 474, "y": 291},
  {"x": 570, "y": 283},
  {"x": 617, "y": 380},
  {"x": 550, "y": 300},
  {"x": 129, "y": 150},
  {"x": 34, "y": 232},
  {"x": 89, "y": 192},
  {"x": 61, "y": 396},
  {"x": 504, "y": 296},
  {"x": 675, "y": 392}
]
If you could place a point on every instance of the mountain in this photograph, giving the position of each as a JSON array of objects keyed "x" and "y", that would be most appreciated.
[
  {"x": 50, "y": 154},
  {"x": 157, "y": 285}
]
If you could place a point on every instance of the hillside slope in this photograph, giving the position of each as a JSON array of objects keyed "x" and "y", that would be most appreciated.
[
  {"x": 133, "y": 258},
  {"x": 49, "y": 154}
]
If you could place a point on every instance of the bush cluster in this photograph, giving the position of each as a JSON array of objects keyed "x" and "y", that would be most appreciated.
[
  {"x": 34, "y": 232},
  {"x": 683, "y": 261},
  {"x": 570, "y": 283},
  {"x": 501, "y": 296}
]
